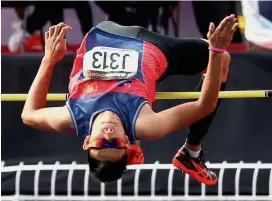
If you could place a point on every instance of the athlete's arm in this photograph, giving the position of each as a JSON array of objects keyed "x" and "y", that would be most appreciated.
[
  {"x": 51, "y": 119},
  {"x": 34, "y": 112},
  {"x": 152, "y": 125}
]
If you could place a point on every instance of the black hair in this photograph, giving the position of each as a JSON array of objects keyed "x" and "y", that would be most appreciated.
[{"x": 107, "y": 171}]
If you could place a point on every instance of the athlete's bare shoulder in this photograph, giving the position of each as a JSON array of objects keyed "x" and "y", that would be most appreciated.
[{"x": 141, "y": 124}]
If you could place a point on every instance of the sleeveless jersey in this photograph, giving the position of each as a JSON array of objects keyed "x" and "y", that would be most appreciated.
[{"x": 112, "y": 73}]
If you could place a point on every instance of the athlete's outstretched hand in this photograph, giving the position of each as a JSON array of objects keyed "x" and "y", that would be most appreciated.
[
  {"x": 221, "y": 36},
  {"x": 55, "y": 42}
]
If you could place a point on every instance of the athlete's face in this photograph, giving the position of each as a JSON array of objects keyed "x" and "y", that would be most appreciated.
[{"x": 108, "y": 125}]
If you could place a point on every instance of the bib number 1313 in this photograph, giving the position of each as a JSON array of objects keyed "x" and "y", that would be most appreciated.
[{"x": 110, "y": 63}]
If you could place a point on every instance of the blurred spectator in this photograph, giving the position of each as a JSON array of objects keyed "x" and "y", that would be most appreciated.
[
  {"x": 84, "y": 13},
  {"x": 169, "y": 9},
  {"x": 19, "y": 7},
  {"x": 258, "y": 24},
  {"x": 149, "y": 14},
  {"x": 28, "y": 34},
  {"x": 214, "y": 11},
  {"x": 22, "y": 8},
  {"x": 122, "y": 12}
]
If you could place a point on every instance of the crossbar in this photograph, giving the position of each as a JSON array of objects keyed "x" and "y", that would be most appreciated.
[{"x": 159, "y": 95}]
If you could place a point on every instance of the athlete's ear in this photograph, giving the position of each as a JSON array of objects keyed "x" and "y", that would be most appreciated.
[{"x": 86, "y": 144}]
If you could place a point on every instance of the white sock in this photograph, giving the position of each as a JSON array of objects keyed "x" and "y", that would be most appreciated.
[{"x": 192, "y": 153}]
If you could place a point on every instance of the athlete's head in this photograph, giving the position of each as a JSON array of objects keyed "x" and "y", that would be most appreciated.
[
  {"x": 107, "y": 156},
  {"x": 107, "y": 171}
]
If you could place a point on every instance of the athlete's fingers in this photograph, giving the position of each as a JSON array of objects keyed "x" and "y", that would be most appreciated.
[
  {"x": 51, "y": 31},
  {"x": 46, "y": 35},
  {"x": 234, "y": 28},
  {"x": 58, "y": 28},
  {"x": 63, "y": 31},
  {"x": 223, "y": 23},
  {"x": 229, "y": 24},
  {"x": 211, "y": 29}
]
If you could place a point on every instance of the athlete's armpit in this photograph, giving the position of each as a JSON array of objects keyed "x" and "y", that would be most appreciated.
[
  {"x": 51, "y": 119},
  {"x": 151, "y": 125}
]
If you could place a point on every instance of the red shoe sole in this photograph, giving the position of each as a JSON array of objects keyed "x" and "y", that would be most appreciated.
[{"x": 181, "y": 167}]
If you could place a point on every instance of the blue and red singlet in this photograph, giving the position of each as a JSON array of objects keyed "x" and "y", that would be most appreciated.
[{"x": 113, "y": 73}]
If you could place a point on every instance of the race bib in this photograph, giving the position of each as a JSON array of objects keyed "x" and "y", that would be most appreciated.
[{"x": 107, "y": 63}]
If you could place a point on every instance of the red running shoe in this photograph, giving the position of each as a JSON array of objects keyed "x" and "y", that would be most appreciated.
[{"x": 195, "y": 167}]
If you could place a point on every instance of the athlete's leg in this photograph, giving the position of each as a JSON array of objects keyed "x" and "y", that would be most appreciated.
[
  {"x": 190, "y": 157},
  {"x": 198, "y": 130},
  {"x": 190, "y": 57}
]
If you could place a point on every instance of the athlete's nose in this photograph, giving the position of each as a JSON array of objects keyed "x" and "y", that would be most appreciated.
[
  {"x": 108, "y": 133},
  {"x": 109, "y": 130}
]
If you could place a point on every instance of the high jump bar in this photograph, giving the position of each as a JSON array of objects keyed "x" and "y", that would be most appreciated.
[{"x": 159, "y": 95}]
